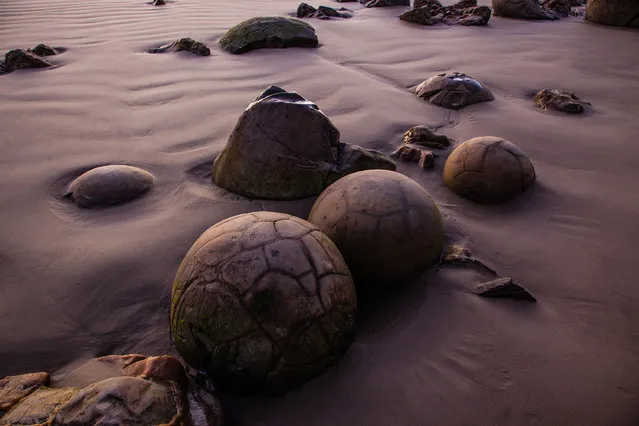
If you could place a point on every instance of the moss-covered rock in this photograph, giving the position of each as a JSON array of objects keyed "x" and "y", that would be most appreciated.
[{"x": 268, "y": 32}]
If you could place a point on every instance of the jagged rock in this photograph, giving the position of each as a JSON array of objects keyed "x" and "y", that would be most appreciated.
[
  {"x": 14, "y": 388},
  {"x": 184, "y": 44},
  {"x": 332, "y": 13},
  {"x": 305, "y": 10},
  {"x": 323, "y": 12},
  {"x": 268, "y": 32},
  {"x": 624, "y": 13},
  {"x": 560, "y": 100},
  {"x": 411, "y": 154},
  {"x": 521, "y": 9},
  {"x": 422, "y": 135},
  {"x": 559, "y": 7},
  {"x": 109, "y": 185},
  {"x": 38, "y": 408},
  {"x": 504, "y": 287},
  {"x": 284, "y": 147},
  {"x": 421, "y": 16},
  {"x": 384, "y": 3},
  {"x": 460, "y": 256},
  {"x": 44, "y": 50},
  {"x": 475, "y": 16},
  {"x": 19, "y": 59},
  {"x": 159, "y": 3},
  {"x": 453, "y": 91}
]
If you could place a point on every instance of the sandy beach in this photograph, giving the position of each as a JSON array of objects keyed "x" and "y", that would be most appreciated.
[{"x": 77, "y": 283}]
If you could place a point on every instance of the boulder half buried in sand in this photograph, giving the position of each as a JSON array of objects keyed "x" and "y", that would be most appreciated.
[
  {"x": 109, "y": 185},
  {"x": 268, "y": 32},
  {"x": 520, "y": 9},
  {"x": 284, "y": 147},
  {"x": 44, "y": 50},
  {"x": 622, "y": 13},
  {"x": 453, "y": 91},
  {"x": 560, "y": 100},
  {"x": 184, "y": 45},
  {"x": 19, "y": 59},
  {"x": 504, "y": 287}
]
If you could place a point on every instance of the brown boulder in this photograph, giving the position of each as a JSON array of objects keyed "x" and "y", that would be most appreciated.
[
  {"x": 14, "y": 388},
  {"x": 39, "y": 408},
  {"x": 623, "y": 13},
  {"x": 560, "y": 100},
  {"x": 453, "y": 91}
]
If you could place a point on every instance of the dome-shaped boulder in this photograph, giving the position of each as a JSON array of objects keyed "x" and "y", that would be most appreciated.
[
  {"x": 623, "y": 13},
  {"x": 453, "y": 91},
  {"x": 268, "y": 32}
]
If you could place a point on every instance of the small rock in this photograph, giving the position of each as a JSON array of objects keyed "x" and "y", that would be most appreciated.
[
  {"x": 411, "y": 154},
  {"x": 427, "y": 160},
  {"x": 354, "y": 158},
  {"x": 109, "y": 185},
  {"x": 384, "y": 3},
  {"x": 453, "y": 91},
  {"x": 422, "y": 135},
  {"x": 475, "y": 16},
  {"x": 520, "y": 9},
  {"x": 305, "y": 10},
  {"x": 159, "y": 3},
  {"x": 421, "y": 16},
  {"x": 184, "y": 44},
  {"x": 44, "y": 50},
  {"x": 14, "y": 388},
  {"x": 329, "y": 11},
  {"x": 461, "y": 256},
  {"x": 560, "y": 100},
  {"x": 19, "y": 59},
  {"x": 39, "y": 407},
  {"x": 504, "y": 287},
  {"x": 268, "y": 32}
]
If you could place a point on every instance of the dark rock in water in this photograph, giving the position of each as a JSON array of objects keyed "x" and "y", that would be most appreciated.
[
  {"x": 421, "y": 16},
  {"x": 39, "y": 408},
  {"x": 44, "y": 50},
  {"x": 560, "y": 100},
  {"x": 284, "y": 147},
  {"x": 431, "y": 12},
  {"x": 159, "y": 3},
  {"x": 623, "y": 13},
  {"x": 186, "y": 45},
  {"x": 14, "y": 388},
  {"x": 109, "y": 185},
  {"x": 305, "y": 10},
  {"x": 384, "y": 3},
  {"x": 475, "y": 16},
  {"x": 19, "y": 59},
  {"x": 330, "y": 12},
  {"x": 323, "y": 12},
  {"x": 411, "y": 154},
  {"x": 521, "y": 9},
  {"x": 268, "y": 32},
  {"x": 504, "y": 287},
  {"x": 453, "y": 91},
  {"x": 558, "y": 7},
  {"x": 422, "y": 135}
]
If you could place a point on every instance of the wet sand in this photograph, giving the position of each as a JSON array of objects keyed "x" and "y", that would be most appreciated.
[{"x": 79, "y": 283}]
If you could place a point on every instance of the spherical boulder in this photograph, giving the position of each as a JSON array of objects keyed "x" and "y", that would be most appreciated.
[
  {"x": 488, "y": 170},
  {"x": 386, "y": 226},
  {"x": 623, "y": 13},
  {"x": 263, "y": 302},
  {"x": 109, "y": 185}
]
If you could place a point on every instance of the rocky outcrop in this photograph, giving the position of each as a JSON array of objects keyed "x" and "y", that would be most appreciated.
[
  {"x": 622, "y": 13},
  {"x": 184, "y": 45},
  {"x": 268, "y": 32},
  {"x": 284, "y": 147},
  {"x": 453, "y": 91}
]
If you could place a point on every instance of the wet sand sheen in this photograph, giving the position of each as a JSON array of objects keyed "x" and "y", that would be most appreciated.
[{"x": 80, "y": 283}]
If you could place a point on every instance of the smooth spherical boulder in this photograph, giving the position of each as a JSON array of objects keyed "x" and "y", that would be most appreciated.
[
  {"x": 386, "y": 226},
  {"x": 488, "y": 170},
  {"x": 109, "y": 185},
  {"x": 453, "y": 91},
  {"x": 623, "y": 13},
  {"x": 268, "y": 32},
  {"x": 263, "y": 302}
]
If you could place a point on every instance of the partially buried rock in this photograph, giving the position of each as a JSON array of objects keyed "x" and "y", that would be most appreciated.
[
  {"x": 422, "y": 135},
  {"x": 411, "y": 154},
  {"x": 323, "y": 12},
  {"x": 431, "y": 12},
  {"x": 14, "y": 388},
  {"x": 109, "y": 185},
  {"x": 268, "y": 32},
  {"x": 19, "y": 59},
  {"x": 44, "y": 50},
  {"x": 305, "y": 10},
  {"x": 521, "y": 9},
  {"x": 488, "y": 170},
  {"x": 184, "y": 44},
  {"x": 558, "y": 7},
  {"x": 384, "y": 3},
  {"x": 421, "y": 16},
  {"x": 159, "y": 3},
  {"x": 623, "y": 13},
  {"x": 504, "y": 287},
  {"x": 284, "y": 147},
  {"x": 453, "y": 91},
  {"x": 560, "y": 100}
]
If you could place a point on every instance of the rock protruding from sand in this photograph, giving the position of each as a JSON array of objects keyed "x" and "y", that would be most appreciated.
[
  {"x": 184, "y": 45},
  {"x": 109, "y": 185},
  {"x": 520, "y": 9},
  {"x": 263, "y": 302},
  {"x": 159, "y": 2},
  {"x": 413, "y": 154},
  {"x": 423, "y": 135},
  {"x": 387, "y": 227},
  {"x": 623, "y": 13},
  {"x": 14, "y": 388},
  {"x": 44, "y": 50},
  {"x": 284, "y": 147},
  {"x": 431, "y": 12},
  {"x": 384, "y": 3},
  {"x": 488, "y": 170},
  {"x": 323, "y": 12},
  {"x": 453, "y": 91},
  {"x": 560, "y": 100},
  {"x": 268, "y": 32},
  {"x": 505, "y": 287},
  {"x": 19, "y": 59}
]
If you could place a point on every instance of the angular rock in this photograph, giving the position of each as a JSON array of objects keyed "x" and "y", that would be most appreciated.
[
  {"x": 332, "y": 13},
  {"x": 421, "y": 16},
  {"x": 504, "y": 287},
  {"x": 453, "y": 91},
  {"x": 384, "y": 3},
  {"x": 305, "y": 10},
  {"x": 159, "y": 3},
  {"x": 558, "y": 7},
  {"x": 284, "y": 147},
  {"x": 560, "y": 100},
  {"x": 411, "y": 154},
  {"x": 186, "y": 45},
  {"x": 426, "y": 160},
  {"x": 422, "y": 135},
  {"x": 268, "y": 32},
  {"x": 38, "y": 408},
  {"x": 460, "y": 256},
  {"x": 19, "y": 59},
  {"x": 520, "y": 9},
  {"x": 475, "y": 16},
  {"x": 109, "y": 185},
  {"x": 44, "y": 50},
  {"x": 163, "y": 368},
  {"x": 14, "y": 388},
  {"x": 623, "y": 13}
]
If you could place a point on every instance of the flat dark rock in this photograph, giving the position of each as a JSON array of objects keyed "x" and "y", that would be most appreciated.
[
  {"x": 268, "y": 32},
  {"x": 184, "y": 45},
  {"x": 504, "y": 287}
]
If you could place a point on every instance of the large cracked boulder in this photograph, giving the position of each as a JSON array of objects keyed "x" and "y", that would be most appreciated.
[
  {"x": 284, "y": 147},
  {"x": 263, "y": 302},
  {"x": 268, "y": 32},
  {"x": 453, "y": 91},
  {"x": 520, "y": 9},
  {"x": 623, "y": 13}
]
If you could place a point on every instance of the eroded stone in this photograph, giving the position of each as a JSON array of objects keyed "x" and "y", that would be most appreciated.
[
  {"x": 453, "y": 91},
  {"x": 268, "y": 32}
]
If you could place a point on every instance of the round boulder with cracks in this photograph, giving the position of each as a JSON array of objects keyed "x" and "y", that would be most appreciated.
[
  {"x": 488, "y": 170},
  {"x": 453, "y": 91},
  {"x": 263, "y": 302}
]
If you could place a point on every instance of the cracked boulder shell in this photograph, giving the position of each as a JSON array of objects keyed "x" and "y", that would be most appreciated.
[
  {"x": 453, "y": 91},
  {"x": 488, "y": 170},
  {"x": 263, "y": 302}
]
